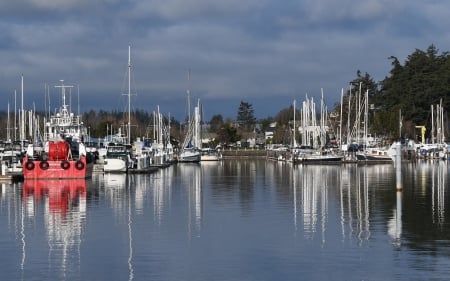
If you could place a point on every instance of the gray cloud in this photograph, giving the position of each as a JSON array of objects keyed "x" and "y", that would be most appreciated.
[{"x": 265, "y": 52}]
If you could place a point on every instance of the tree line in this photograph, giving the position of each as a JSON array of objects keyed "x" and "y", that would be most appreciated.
[{"x": 411, "y": 88}]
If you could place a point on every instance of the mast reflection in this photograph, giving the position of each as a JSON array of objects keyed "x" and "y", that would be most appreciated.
[
  {"x": 313, "y": 185},
  {"x": 118, "y": 188},
  {"x": 192, "y": 177},
  {"x": 439, "y": 182},
  {"x": 64, "y": 204},
  {"x": 162, "y": 192},
  {"x": 355, "y": 200}
]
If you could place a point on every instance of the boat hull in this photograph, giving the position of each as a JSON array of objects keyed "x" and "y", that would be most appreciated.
[
  {"x": 115, "y": 165},
  {"x": 189, "y": 156},
  {"x": 210, "y": 155},
  {"x": 362, "y": 157},
  {"x": 320, "y": 159},
  {"x": 56, "y": 169}
]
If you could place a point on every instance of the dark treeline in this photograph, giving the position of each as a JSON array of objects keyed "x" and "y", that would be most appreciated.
[{"x": 411, "y": 88}]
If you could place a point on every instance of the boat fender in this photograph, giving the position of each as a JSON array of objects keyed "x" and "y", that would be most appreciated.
[
  {"x": 79, "y": 165},
  {"x": 29, "y": 165},
  {"x": 65, "y": 165},
  {"x": 44, "y": 165}
]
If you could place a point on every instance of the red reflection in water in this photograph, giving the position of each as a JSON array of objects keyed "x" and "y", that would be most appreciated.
[{"x": 62, "y": 194}]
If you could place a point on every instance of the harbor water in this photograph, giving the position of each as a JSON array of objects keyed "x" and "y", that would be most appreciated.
[{"x": 231, "y": 220}]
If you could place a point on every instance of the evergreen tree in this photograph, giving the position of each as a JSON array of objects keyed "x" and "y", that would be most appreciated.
[
  {"x": 215, "y": 123},
  {"x": 245, "y": 116}
]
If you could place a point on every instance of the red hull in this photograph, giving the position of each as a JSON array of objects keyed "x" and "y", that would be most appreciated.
[{"x": 56, "y": 169}]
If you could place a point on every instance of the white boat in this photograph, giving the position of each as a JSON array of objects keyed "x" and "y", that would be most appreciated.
[
  {"x": 190, "y": 148},
  {"x": 140, "y": 160},
  {"x": 314, "y": 132},
  {"x": 376, "y": 154},
  {"x": 310, "y": 155},
  {"x": 189, "y": 155},
  {"x": 437, "y": 148},
  {"x": 117, "y": 158},
  {"x": 161, "y": 148},
  {"x": 210, "y": 154},
  {"x": 10, "y": 157}
]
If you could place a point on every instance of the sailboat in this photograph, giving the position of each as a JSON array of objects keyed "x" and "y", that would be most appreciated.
[
  {"x": 190, "y": 149},
  {"x": 120, "y": 157},
  {"x": 437, "y": 148},
  {"x": 209, "y": 153},
  {"x": 313, "y": 148},
  {"x": 371, "y": 153}
]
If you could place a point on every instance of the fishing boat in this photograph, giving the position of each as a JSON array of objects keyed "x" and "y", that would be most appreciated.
[{"x": 64, "y": 155}]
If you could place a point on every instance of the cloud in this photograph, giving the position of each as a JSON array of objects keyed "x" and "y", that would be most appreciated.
[
  {"x": 258, "y": 50},
  {"x": 180, "y": 10}
]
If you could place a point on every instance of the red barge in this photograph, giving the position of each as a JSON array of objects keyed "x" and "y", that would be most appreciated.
[
  {"x": 58, "y": 165},
  {"x": 63, "y": 155}
]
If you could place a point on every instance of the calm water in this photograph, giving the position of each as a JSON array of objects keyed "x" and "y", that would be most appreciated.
[{"x": 235, "y": 220}]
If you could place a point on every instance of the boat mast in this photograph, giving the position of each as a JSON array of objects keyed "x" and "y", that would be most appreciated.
[
  {"x": 8, "y": 130},
  {"x": 188, "y": 92},
  {"x": 340, "y": 119},
  {"x": 129, "y": 94},
  {"x": 293, "y": 141},
  {"x": 15, "y": 115},
  {"x": 22, "y": 119}
]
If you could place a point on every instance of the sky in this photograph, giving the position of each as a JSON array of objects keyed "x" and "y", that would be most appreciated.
[{"x": 264, "y": 52}]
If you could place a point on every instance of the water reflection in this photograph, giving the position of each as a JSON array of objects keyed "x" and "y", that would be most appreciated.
[
  {"x": 64, "y": 203},
  {"x": 351, "y": 186},
  {"x": 196, "y": 222},
  {"x": 161, "y": 192},
  {"x": 191, "y": 176},
  {"x": 395, "y": 223},
  {"x": 439, "y": 182},
  {"x": 118, "y": 189}
]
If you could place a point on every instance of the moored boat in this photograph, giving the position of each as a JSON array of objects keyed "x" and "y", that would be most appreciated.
[
  {"x": 59, "y": 164},
  {"x": 117, "y": 158},
  {"x": 210, "y": 154},
  {"x": 189, "y": 155},
  {"x": 64, "y": 155}
]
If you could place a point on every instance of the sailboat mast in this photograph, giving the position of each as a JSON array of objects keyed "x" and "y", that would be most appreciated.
[
  {"x": 293, "y": 141},
  {"x": 340, "y": 120},
  {"x": 15, "y": 115},
  {"x": 8, "y": 130},
  {"x": 188, "y": 92},
  {"x": 22, "y": 120},
  {"x": 129, "y": 93}
]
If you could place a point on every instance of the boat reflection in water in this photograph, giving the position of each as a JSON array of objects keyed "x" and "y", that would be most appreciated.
[
  {"x": 160, "y": 186},
  {"x": 191, "y": 175},
  {"x": 314, "y": 187},
  {"x": 64, "y": 213}
]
